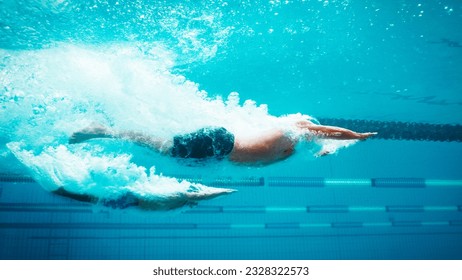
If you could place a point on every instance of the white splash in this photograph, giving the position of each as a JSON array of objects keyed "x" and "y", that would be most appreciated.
[
  {"x": 88, "y": 171},
  {"x": 49, "y": 94}
]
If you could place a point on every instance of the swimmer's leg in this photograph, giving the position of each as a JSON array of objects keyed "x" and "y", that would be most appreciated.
[
  {"x": 80, "y": 197},
  {"x": 91, "y": 132},
  {"x": 163, "y": 146},
  {"x": 98, "y": 131}
]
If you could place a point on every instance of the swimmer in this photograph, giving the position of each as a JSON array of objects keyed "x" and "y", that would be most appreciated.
[
  {"x": 217, "y": 142},
  {"x": 211, "y": 142}
]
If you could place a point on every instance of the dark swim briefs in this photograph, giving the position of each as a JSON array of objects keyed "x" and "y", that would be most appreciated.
[{"x": 207, "y": 142}]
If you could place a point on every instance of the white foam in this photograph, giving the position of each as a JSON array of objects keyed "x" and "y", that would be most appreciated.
[
  {"x": 49, "y": 94},
  {"x": 88, "y": 170}
]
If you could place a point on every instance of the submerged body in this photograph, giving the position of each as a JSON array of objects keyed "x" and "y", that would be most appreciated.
[
  {"x": 212, "y": 142},
  {"x": 217, "y": 142}
]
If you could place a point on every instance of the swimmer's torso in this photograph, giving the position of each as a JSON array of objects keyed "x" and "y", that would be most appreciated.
[{"x": 269, "y": 148}]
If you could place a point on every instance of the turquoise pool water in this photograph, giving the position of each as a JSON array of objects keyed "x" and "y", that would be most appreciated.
[{"x": 170, "y": 67}]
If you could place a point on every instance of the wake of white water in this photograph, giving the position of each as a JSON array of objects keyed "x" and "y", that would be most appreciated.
[{"x": 48, "y": 94}]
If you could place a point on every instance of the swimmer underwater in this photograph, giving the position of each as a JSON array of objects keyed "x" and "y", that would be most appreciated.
[{"x": 215, "y": 143}]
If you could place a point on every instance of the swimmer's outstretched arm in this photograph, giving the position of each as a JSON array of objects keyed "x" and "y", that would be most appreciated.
[
  {"x": 332, "y": 132},
  {"x": 99, "y": 131}
]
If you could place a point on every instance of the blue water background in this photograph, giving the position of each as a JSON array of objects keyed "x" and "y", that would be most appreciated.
[
  {"x": 325, "y": 58},
  {"x": 374, "y": 60}
]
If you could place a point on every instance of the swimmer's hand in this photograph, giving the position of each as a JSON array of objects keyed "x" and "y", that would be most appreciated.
[
  {"x": 361, "y": 136},
  {"x": 364, "y": 136}
]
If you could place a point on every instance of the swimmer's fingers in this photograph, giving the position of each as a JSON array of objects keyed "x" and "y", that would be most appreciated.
[{"x": 363, "y": 136}]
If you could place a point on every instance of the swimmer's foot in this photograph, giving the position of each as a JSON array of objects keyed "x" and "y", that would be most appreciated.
[{"x": 94, "y": 131}]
